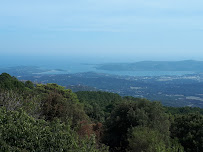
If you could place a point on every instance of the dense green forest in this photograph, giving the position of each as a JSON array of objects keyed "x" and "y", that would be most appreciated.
[{"x": 49, "y": 117}]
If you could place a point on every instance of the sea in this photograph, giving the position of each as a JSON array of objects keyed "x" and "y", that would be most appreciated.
[
  {"x": 70, "y": 65},
  {"x": 81, "y": 68}
]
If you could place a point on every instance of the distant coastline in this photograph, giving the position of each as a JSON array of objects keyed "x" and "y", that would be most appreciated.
[{"x": 186, "y": 65}]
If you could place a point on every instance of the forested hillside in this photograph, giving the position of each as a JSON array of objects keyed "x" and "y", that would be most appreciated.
[{"x": 49, "y": 117}]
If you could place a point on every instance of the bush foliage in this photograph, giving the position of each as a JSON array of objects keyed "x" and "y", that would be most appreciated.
[{"x": 49, "y": 117}]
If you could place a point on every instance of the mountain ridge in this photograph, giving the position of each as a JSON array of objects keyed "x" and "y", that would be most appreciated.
[{"x": 184, "y": 65}]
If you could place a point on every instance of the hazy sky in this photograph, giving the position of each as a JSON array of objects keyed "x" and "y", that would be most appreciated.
[{"x": 117, "y": 30}]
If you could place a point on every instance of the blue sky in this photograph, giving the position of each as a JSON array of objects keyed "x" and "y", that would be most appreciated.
[{"x": 108, "y": 30}]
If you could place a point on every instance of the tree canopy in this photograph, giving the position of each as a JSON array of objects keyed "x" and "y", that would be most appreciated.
[{"x": 49, "y": 117}]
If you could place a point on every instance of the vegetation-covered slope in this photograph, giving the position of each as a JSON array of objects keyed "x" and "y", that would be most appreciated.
[{"x": 51, "y": 118}]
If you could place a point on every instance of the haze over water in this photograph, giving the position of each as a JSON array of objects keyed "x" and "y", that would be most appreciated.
[
  {"x": 68, "y": 34},
  {"x": 51, "y": 32}
]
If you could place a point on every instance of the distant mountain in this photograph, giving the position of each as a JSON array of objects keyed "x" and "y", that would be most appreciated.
[{"x": 186, "y": 65}]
